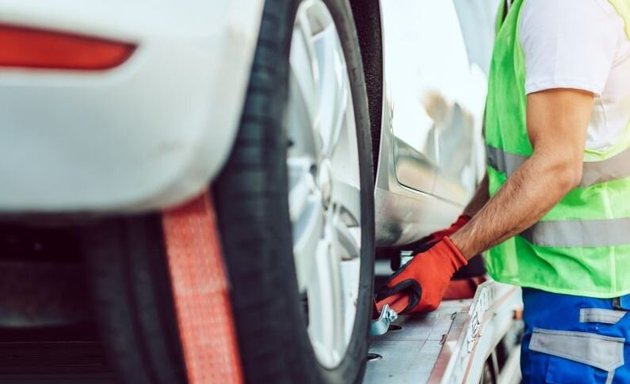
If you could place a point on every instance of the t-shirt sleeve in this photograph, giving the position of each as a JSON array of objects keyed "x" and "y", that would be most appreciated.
[{"x": 567, "y": 44}]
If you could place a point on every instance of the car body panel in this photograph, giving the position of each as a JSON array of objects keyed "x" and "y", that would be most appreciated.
[
  {"x": 402, "y": 213},
  {"x": 145, "y": 135},
  {"x": 431, "y": 151}
]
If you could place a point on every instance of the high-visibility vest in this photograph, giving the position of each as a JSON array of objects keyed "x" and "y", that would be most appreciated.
[{"x": 582, "y": 246}]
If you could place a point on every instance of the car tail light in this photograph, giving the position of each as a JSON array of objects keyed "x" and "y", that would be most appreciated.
[{"x": 23, "y": 47}]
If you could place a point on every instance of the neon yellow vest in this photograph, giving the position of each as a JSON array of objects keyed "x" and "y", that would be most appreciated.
[{"x": 582, "y": 246}]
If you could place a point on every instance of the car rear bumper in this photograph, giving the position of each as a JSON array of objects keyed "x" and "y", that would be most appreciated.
[{"x": 145, "y": 135}]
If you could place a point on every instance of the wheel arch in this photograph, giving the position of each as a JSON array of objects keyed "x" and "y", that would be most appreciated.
[{"x": 367, "y": 19}]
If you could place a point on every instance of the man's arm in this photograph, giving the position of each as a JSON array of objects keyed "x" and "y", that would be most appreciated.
[
  {"x": 480, "y": 198},
  {"x": 557, "y": 120}
]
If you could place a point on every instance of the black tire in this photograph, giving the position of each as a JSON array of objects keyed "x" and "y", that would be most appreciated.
[
  {"x": 128, "y": 273},
  {"x": 252, "y": 207}
]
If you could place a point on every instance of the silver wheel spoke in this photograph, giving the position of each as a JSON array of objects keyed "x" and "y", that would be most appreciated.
[
  {"x": 301, "y": 186},
  {"x": 305, "y": 243},
  {"x": 307, "y": 216},
  {"x": 300, "y": 121},
  {"x": 335, "y": 90},
  {"x": 328, "y": 332},
  {"x": 348, "y": 197},
  {"x": 304, "y": 70},
  {"x": 346, "y": 243}
]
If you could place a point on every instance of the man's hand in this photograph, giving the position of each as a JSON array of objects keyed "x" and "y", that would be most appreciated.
[{"x": 420, "y": 284}]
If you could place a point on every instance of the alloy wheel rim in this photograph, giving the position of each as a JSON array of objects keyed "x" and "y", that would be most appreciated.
[{"x": 324, "y": 182}]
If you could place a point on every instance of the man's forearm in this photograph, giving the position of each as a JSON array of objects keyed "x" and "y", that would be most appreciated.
[
  {"x": 527, "y": 196},
  {"x": 480, "y": 198}
]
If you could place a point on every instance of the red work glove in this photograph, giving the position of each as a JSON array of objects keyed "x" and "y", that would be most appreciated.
[
  {"x": 421, "y": 283},
  {"x": 429, "y": 241},
  {"x": 463, "y": 288}
]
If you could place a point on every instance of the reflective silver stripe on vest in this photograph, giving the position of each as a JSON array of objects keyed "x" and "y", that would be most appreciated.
[
  {"x": 603, "y": 352},
  {"x": 579, "y": 233},
  {"x": 617, "y": 167},
  {"x": 503, "y": 161},
  {"x": 601, "y": 315}
]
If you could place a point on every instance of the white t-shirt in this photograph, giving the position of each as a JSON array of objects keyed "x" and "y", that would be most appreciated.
[{"x": 580, "y": 44}]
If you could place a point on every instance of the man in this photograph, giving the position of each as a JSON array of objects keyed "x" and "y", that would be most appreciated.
[{"x": 554, "y": 207}]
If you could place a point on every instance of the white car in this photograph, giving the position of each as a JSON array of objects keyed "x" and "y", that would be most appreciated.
[{"x": 315, "y": 131}]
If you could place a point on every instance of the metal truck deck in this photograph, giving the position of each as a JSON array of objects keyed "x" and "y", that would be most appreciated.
[{"x": 463, "y": 341}]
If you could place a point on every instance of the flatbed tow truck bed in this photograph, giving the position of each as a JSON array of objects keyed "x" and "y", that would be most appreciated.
[{"x": 463, "y": 341}]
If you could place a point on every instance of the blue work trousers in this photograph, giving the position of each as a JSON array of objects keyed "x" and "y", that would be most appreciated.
[{"x": 575, "y": 339}]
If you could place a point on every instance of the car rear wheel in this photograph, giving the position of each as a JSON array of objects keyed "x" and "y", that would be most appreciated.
[
  {"x": 295, "y": 202},
  {"x": 294, "y": 205}
]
